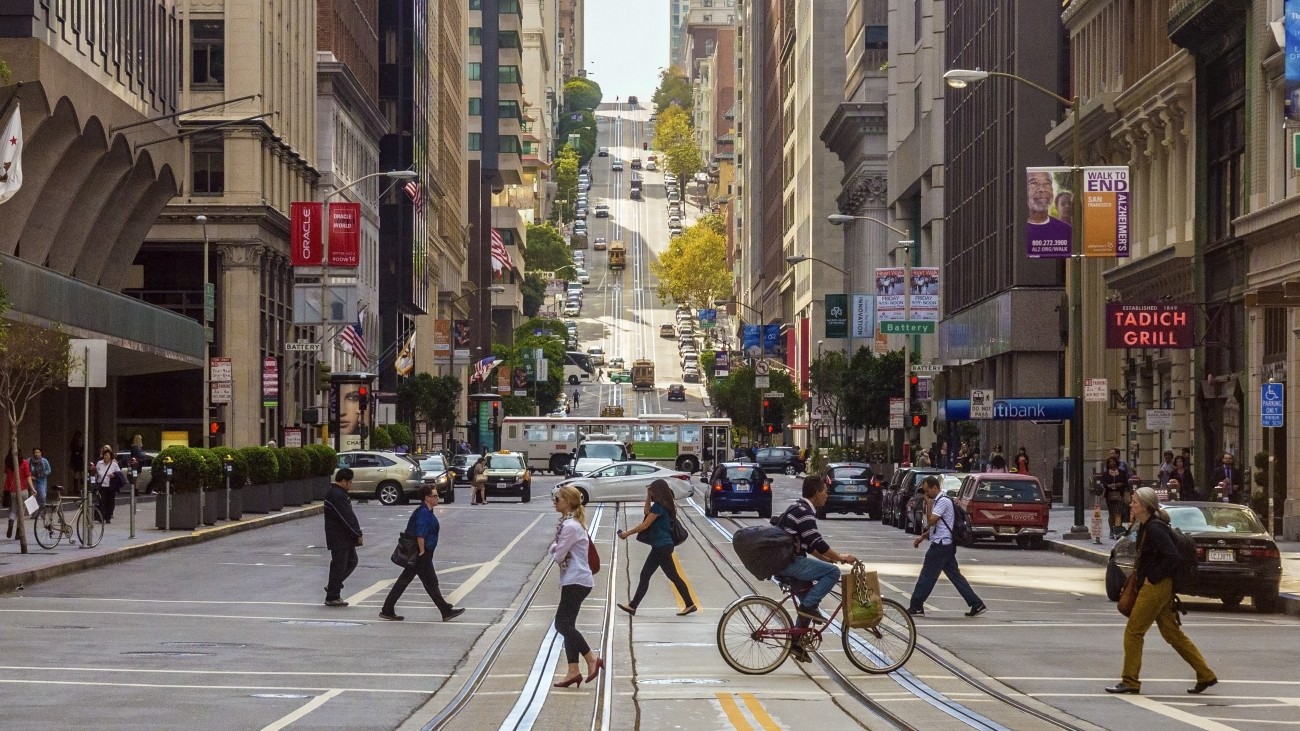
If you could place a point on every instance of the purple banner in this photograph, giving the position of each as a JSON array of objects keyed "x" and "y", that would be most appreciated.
[{"x": 1050, "y": 205}]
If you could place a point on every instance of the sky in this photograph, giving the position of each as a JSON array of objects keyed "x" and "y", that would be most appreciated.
[{"x": 626, "y": 44}]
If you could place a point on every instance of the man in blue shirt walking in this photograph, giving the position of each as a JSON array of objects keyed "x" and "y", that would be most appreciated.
[{"x": 424, "y": 526}]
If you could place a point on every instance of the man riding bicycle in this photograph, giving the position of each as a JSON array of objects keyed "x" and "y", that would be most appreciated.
[{"x": 811, "y": 557}]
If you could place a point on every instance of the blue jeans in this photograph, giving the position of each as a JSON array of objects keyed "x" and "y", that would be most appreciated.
[
  {"x": 823, "y": 575},
  {"x": 941, "y": 557}
]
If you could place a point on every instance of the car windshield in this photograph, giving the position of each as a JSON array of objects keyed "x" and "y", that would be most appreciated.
[
  {"x": 1010, "y": 491},
  {"x": 1213, "y": 519},
  {"x": 601, "y": 450},
  {"x": 851, "y": 473},
  {"x": 504, "y": 462},
  {"x": 433, "y": 463}
]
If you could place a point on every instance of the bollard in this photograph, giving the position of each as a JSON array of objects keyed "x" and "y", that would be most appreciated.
[
  {"x": 167, "y": 493},
  {"x": 230, "y": 469},
  {"x": 87, "y": 503},
  {"x": 135, "y": 475}
]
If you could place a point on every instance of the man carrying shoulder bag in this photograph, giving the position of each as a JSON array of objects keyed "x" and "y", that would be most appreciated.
[{"x": 342, "y": 536}]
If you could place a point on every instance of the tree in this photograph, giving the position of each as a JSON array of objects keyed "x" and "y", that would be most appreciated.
[
  {"x": 872, "y": 381},
  {"x": 581, "y": 94},
  {"x": 547, "y": 252},
  {"x": 566, "y": 180},
  {"x": 828, "y": 383},
  {"x": 534, "y": 291},
  {"x": 583, "y": 124},
  {"x": 674, "y": 90},
  {"x": 675, "y": 135},
  {"x": 552, "y": 340},
  {"x": 433, "y": 399},
  {"x": 694, "y": 268},
  {"x": 32, "y": 359},
  {"x": 401, "y": 435},
  {"x": 736, "y": 397}
]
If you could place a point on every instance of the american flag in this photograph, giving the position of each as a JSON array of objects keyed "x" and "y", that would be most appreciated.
[
  {"x": 482, "y": 369},
  {"x": 353, "y": 337},
  {"x": 500, "y": 257},
  {"x": 415, "y": 191}
]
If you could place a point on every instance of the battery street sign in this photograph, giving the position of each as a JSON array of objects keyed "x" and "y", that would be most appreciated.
[
  {"x": 927, "y": 368},
  {"x": 1272, "y": 397},
  {"x": 907, "y": 327},
  {"x": 302, "y": 346}
]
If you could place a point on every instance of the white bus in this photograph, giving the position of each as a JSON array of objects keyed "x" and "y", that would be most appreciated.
[
  {"x": 578, "y": 368},
  {"x": 667, "y": 439}
]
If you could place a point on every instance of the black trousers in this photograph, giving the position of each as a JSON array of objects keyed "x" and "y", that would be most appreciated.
[
  {"x": 566, "y": 620},
  {"x": 661, "y": 557},
  {"x": 423, "y": 567},
  {"x": 107, "y": 501},
  {"x": 343, "y": 561}
]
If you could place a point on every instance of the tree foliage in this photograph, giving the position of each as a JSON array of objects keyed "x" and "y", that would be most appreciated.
[
  {"x": 543, "y": 396},
  {"x": 534, "y": 293},
  {"x": 736, "y": 397},
  {"x": 694, "y": 268},
  {"x": 675, "y": 135},
  {"x": 547, "y": 252},
  {"x": 870, "y": 382},
  {"x": 566, "y": 180},
  {"x": 674, "y": 90},
  {"x": 581, "y": 94},
  {"x": 828, "y": 384},
  {"x": 430, "y": 398}
]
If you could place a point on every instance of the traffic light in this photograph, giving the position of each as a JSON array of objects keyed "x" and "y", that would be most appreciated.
[
  {"x": 363, "y": 396},
  {"x": 311, "y": 415},
  {"x": 767, "y": 412},
  {"x": 322, "y": 377},
  {"x": 919, "y": 420},
  {"x": 216, "y": 427},
  {"x": 777, "y": 412},
  {"x": 915, "y": 380}
]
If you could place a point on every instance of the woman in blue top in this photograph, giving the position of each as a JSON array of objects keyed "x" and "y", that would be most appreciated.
[{"x": 660, "y": 512}]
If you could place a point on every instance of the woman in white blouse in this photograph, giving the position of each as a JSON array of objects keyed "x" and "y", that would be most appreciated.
[{"x": 570, "y": 551}]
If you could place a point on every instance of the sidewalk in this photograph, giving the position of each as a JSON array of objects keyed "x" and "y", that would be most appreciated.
[
  {"x": 18, "y": 570},
  {"x": 1062, "y": 519}
]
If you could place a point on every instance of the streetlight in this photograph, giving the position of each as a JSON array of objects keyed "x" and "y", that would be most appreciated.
[
  {"x": 792, "y": 260},
  {"x": 960, "y": 79},
  {"x": 207, "y": 342}
]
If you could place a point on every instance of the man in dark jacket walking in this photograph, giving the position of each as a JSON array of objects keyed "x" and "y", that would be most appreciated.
[{"x": 342, "y": 536}]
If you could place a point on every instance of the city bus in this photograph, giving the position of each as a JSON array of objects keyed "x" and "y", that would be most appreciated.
[
  {"x": 671, "y": 440},
  {"x": 578, "y": 368}
]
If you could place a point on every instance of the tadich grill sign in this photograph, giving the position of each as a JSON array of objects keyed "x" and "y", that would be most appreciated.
[{"x": 1149, "y": 326}]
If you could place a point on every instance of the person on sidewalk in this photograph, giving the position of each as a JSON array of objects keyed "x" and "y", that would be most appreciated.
[
  {"x": 660, "y": 513},
  {"x": 813, "y": 554},
  {"x": 1157, "y": 561},
  {"x": 423, "y": 524},
  {"x": 569, "y": 550},
  {"x": 39, "y": 467},
  {"x": 108, "y": 480},
  {"x": 138, "y": 458},
  {"x": 942, "y": 554},
  {"x": 18, "y": 485},
  {"x": 1227, "y": 480},
  {"x": 342, "y": 536}
]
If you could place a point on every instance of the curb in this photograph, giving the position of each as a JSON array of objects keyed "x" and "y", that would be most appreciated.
[
  {"x": 1290, "y": 601},
  {"x": 20, "y": 579}
]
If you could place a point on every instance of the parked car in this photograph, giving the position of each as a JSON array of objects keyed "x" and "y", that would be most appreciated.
[
  {"x": 738, "y": 486},
  {"x": 507, "y": 473},
  {"x": 460, "y": 466},
  {"x": 676, "y": 392},
  {"x": 854, "y": 489},
  {"x": 383, "y": 475},
  {"x": 1235, "y": 557},
  {"x": 667, "y": 331},
  {"x": 780, "y": 459},
  {"x": 627, "y": 481},
  {"x": 904, "y": 508},
  {"x": 890, "y": 496},
  {"x": 1006, "y": 507},
  {"x": 600, "y": 244},
  {"x": 584, "y": 276},
  {"x": 691, "y": 374},
  {"x": 949, "y": 484},
  {"x": 571, "y": 309},
  {"x": 437, "y": 475}
]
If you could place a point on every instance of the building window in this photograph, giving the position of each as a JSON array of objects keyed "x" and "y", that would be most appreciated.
[
  {"x": 509, "y": 6},
  {"x": 509, "y": 74},
  {"x": 707, "y": 3},
  {"x": 208, "y": 44},
  {"x": 510, "y": 143},
  {"x": 475, "y": 106},
  {"x": 877, "y": 37},
  {"x": 475, "y": 141},
  {"x": 476, "y": 36},
  {"x": 475, "y": 71},
  {"x": 1227, "y": 142},
  {"x": 475, "y": 4},
  {"x": 208, "y": 161},
  {"x": 509, "y": 39},
  {"x": 916, "y": 22}
]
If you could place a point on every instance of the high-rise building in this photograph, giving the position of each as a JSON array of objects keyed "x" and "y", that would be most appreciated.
[{"x": 569, "y": 33}]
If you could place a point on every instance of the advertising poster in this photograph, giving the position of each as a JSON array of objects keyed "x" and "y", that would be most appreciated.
[
  {"x": 504, "y": 381},
  {"x": 750, "y": 339},
  {"x": 925, "y": 293},
  {"x": 772, "y": 339},
  {"x": 519, "y": 380},
  {"x": 345, "y": 234},
  {"x": 889, "y": 293},
  {"x": 442, "y": 342},
  {"x": 864, "y": 316},
  {"x": 1050, "y": 204},
  {"x": 460, "y": 338},
  {"x": 304, "y": 228},
  {"x": 1105, "y": 211},
  {"x": 721, "y": 364},
  {"x": 837, "y": 316},
  {"x": 1291, "y": 24}
]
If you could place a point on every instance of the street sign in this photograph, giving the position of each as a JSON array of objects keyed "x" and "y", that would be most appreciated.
[
  {"x": 761, "y": 368},
  {"x": 302, "y": 346},
  {"x": 981, "y": 403},
  {"x": 927, "y": 368},
  {"x": 772, "y": 394},
  {"x": 1096, "y": 389},
  {"x": 907, "y": 327},
  {"x": 88, "y": 361},
  {"x": 222, "y": 392},
  {"x": 896, "y": 408},
  {"x": 209, "y": 301},
  {"x": 1160, "y": 419},
  {"x": 1272, "y": 397},
  {"x": 762, "y": 382},
  {"x": 923, "y": 388},
  {"x": 222, "y": 370}
]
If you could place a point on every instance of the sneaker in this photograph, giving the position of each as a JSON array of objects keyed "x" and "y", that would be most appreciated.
[
  {"x": 335, "y": 603},
  {"x": 453, "y": 613},
  {"x": 916, "y": 612},
  {"x": 391, "y": 617},
  {"x": 800, "y": 654},
  {"x": 813, "y": 613},
  {"x": 977, "y": 610}
]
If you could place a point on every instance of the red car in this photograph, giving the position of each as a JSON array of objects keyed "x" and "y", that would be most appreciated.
[{"x": 1006, "y": 507}]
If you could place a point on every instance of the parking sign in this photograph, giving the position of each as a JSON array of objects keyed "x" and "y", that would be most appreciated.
[{"x": 1272, "y": 396}]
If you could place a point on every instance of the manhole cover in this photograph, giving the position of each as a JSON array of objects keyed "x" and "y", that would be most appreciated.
[
  {"x": 295, "y": 696},
  {"x": 160, "y": 653},
  {"x": 321, "y": 623},
  {"x": 682, "y": 681},
  {"x": 203, "y": 644}
]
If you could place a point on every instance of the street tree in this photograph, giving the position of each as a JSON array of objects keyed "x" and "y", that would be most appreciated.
[
  {"x": 32, "y": 360},
  {"x": 583, "y": 124},
  {"x": 675, "y": 135},
  {"x": 566, "y": 180},
  {"x": 674, "y": 90},
  {"x": 737, "y": 398},
  {"x": 828, "y": 383},
  {"x": 547, "y": 252},
  {"x": 534, "y": 293},
  {"x": 544, "y": 396},
  {"x": 581, "y": 94},
  {"x": 872, "y": 381},
  {"x": 429, "y": 398},
  {"x": 694, "y": 268}
]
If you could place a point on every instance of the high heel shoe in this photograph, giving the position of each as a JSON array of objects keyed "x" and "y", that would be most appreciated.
[
  {"x": 575, "y": 681},
  {"x": 600, "y": 665},
  {"x": 629, "y": 609}
]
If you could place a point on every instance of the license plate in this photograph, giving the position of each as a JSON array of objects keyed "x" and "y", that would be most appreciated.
[
  {"x": 740, "y": 487},
  {"x": 1221, "y": 554},
  {"x": 1006, "y": 529},
  {"x": 853, "y": 488}
]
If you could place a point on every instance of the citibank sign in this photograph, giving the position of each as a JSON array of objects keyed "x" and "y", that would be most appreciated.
[{"x": 1149, "y": 326}]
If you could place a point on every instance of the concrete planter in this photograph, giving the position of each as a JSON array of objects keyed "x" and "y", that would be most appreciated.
[
  {"x": 319, "y": 486},
  {"x": 236, "y": 511},
  {"x": 214, "y": 506},
  {"x": 277, "y": 496},
  {"x": 184, "y": 511},
  {"x": 256, "y": 498},
  {"x": 296, "y": 492}
]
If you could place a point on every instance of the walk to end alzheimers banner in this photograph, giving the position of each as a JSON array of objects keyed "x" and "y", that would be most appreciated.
[
  {"x": 1291, "y": 26},
  {"x": 1106, "y": 211}
]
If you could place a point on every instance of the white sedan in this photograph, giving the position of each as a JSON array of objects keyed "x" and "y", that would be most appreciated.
[{"x": 627, "y": 481}]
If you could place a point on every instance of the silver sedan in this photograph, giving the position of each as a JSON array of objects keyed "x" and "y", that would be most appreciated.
[{"x": 627, "y": 481}]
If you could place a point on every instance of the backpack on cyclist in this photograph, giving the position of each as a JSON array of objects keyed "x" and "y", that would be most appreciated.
[{"x": 765, "y": 550}]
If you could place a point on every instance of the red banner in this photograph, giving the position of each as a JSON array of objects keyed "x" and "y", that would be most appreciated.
[
  {"x": 304, "y": 233},
  {"x": 345, "y": 234}
]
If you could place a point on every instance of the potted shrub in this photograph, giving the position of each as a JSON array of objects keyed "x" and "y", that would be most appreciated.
[
  {"x": 294, "y": 489},
  {"x": 238, "y": 476},
  {"x": 187, "y": 480},
  {"x": 263, "y": 470},
  {"x": 323, "y": 463}
]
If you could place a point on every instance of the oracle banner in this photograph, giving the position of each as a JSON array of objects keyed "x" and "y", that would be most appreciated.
[
  {"x": 1149, "y": 326},
  {"x": 345, "y": 234},
  {"x": 304, "y": 233}
]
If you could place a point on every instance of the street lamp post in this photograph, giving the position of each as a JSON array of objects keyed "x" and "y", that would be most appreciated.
[
  {"x": 959, "y": 79},
  {"x": 207, "y": 342},
  {"x": 494, "y": 289}
]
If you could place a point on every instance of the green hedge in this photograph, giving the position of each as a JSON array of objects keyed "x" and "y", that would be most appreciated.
[
  {"x": 239, "y": 460},
  {"x": 324, "y": 460},
  {"x": 263, "y": 467},
  {"x": 187, "y": 466},
  {"x": 193, "y": 468}
]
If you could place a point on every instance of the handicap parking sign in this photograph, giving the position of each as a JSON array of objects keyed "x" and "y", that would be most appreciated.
[{"x": 1272, "y": 397}]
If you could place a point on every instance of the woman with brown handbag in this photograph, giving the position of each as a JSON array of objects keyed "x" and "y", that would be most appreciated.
[
  {"x": 478, "y": 479},
  {"x": 1157, "y": 562}
]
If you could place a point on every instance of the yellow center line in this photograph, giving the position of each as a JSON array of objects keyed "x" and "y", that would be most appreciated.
[
  {"x": 681, "y": 601},
  {"x": 760, "y": 713},
  {"x": 733, "y": 712}
]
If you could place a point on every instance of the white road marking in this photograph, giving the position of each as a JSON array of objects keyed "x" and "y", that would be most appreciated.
[
  {"x": 1174, "y": 713},
  {"x": 310, "y": 706},
  {"x": 338, "y": 617},
  {"x": 370, "y": 591},
  {"x": 178, "y": 671},
  {"x": 205, "y": 686},
  {"x": 486, "y": 569}
]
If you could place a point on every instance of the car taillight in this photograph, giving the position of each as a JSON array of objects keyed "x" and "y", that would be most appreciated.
[
  {"x": 682, "y": 477},
  {"x": 766, "y": 487},
  {"x": 717, "y": 487},
  {"x": 1259, "y": 552}
]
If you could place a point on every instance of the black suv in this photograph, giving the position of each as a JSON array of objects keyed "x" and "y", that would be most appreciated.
[
  {"x": 677, "y": 392},
  {"x": 780, "y": 459}
]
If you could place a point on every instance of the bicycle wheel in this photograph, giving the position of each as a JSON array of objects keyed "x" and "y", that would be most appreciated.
[
  {"x": 885, "y": 647},
  {"x": 754, "y": 635},
  {"x": 47, "y": 526},
  {"x": 90, "y": 527}
]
